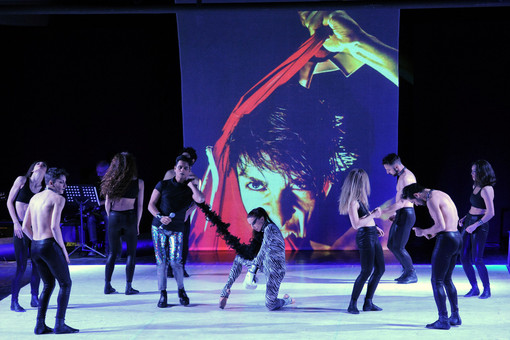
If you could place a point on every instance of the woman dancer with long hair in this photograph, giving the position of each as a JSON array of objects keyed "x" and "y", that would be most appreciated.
[
  {"x": 354, "y": 202},
  {"x": 21, "y": 192},
  {"x": 123, "y": 191},
  {"x": 475, "y": 227}
]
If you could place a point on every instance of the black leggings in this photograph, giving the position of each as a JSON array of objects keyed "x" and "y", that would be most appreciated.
[
  {"x": 22, "y": 253},
  {"x": 399, "y": 235},
  {"x": 444, "y": 257},
  {"x": 52, "y": 265},
  {"x": 472, "y": 251},
  {"x": 372, "y": 262},
  {"x": 121, "y": 223}
]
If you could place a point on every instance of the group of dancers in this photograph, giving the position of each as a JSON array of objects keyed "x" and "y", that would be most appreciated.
[
  {"x": 455, "y": 237},
  {"x": 36, "y": 217}
]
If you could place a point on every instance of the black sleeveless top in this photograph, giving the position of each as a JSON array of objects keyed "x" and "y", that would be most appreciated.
[
  {"x": 132, "y": 190},
  {"x": 25, "y": 194},
  {"x": 477, "y": 201},
  {"x": 362, "y": 210}
]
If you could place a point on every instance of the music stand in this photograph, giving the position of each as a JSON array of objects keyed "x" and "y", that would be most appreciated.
[{"x": 82, "y": 195}]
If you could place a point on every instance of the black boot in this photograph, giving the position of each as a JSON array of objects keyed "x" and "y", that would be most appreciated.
[
  {"x": 183, "y": 298},
  {"x": 162, "y": 303},
  {"x": 62, "y": 328},
  {"x": 474, "y": 291},
  {"x": 368, "y": 306},
  {"x": 442, "y": 323},
  {"x": 41, "y": 328},
  {"x": 184, "y": 272},
  {"x": 130, "y": 290},
  {"x": 409, "y": 277},
  {"x": 353, "y": 309},
  {"x": 455, "y": 319},
  {"x": 16, "y": 307},
  {"x": 35, "y": 301},
  {"x": 108, "y": 289}
]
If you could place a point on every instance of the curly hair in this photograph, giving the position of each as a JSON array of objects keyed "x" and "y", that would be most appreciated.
[{"x": 118, "y": 176}]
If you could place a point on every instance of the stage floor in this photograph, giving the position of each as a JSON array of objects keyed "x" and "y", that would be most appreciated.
[{"x": 322, "y": 292}]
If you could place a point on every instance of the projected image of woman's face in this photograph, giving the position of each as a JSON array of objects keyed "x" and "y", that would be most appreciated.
[{"x": 288, "y": 203}]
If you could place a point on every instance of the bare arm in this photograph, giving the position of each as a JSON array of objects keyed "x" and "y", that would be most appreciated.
[
  {"x": 198, "y": 196},
  {"x": 139, "y": 210},
  {"x": 18, "y": 183},
  {"x": 169, "y": 174},
  {"x": 437, "y": 216},
  {"x": 27, "y": 224},
  {"x": 55, "y": 225}
]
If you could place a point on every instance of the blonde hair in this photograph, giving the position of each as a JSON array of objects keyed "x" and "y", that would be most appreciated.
[{"x": 356, "y": 187}]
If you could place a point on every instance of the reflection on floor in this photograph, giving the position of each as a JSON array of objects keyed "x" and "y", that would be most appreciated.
[{"x": 322, "y": 290}]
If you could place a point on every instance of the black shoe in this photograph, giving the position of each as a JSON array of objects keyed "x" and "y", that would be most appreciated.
[
  {"x": 473, "y": 292},
  {"x": 108, "y": 289},
  {"x": 41, "y": 328},
  {"x": 162, "y": 303},
  {"x": 16, "y": 307},
  {"x": 455, "y": 320},
  {"x": 35, "y": 301},
  {"x": 486, "y": 294},
  {"x": 130, "y": 290},
  {"x": 439, "y": 324},
  {"x": 352, "y": 309},
  {"x": 409, "y": 277},
  {"x": 62, "y": 328},
  {"x": 183, "y": 298},
  {"x": 401, "y": 276},
  {"x": 185, "y": 273},
  {"x": 368, "y": 306}
]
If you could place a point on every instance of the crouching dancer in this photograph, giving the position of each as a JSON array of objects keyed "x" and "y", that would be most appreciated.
[
  {"x": 447, "y": 249},
  {"x": 42, "y": 226}
]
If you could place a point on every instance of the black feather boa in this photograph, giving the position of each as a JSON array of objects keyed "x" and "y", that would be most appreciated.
[{"x": 247, "y": 251}]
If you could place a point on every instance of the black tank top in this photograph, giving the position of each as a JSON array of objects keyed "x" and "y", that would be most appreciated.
[
  {"x": 25, "y": 194},
  {"x": 477, "y": 200},
  {"x": 132, "y": 190},
  {"x": 362, "y": 210}
]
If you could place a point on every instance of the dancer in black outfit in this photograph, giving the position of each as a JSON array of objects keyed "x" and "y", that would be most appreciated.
[
  {"x": 403, "y": 220},
  {"x": 354, "y": 202},
  {"x": 190, "y": 153},
  {"x": 42, "y": 226},
  {"x": 475, "y": 227},
  {"x": 23, "y": 189},
  {"x": 169, "y": 203},
  {"x": 124, "y": 203},
  {"x": 447, "y": 249}
]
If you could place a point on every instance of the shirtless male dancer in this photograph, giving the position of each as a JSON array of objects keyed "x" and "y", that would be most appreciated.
[
  {"x": 447, "y": 249},
  {"x": 42, "y": 226},
  {"x": 403, "y": 220}
]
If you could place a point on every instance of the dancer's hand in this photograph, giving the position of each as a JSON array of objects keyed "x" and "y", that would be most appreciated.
[
  {"x": 249, "y": 281},
  {"x": 418, "y": 232},
  {"x": 461, "y": 221},
  {"x": 17, "y": 230},
  {"x": 471, "y": 228},
  {"x": 380, "y": 232}
]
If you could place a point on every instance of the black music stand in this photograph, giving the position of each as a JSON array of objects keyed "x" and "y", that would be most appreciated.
[{"x": 82, "y": 195}]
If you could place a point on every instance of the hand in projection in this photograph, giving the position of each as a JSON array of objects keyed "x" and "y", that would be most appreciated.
[{"x": 345, "y": 30}]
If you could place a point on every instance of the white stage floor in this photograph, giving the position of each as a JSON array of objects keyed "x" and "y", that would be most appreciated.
[{"x": 322, "y": 293}]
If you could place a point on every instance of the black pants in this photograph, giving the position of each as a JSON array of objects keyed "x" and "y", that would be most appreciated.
[
  {"x": 21, "y": 254},
  {"x": 399, "y": 235},
  {"x": 472, "y": 251},
  {"x": 52, "y": 265},
  {"x": 372, "y": 262},
  {"x": 444, "y": 257},
  {"x": 122, "y": 223}
]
